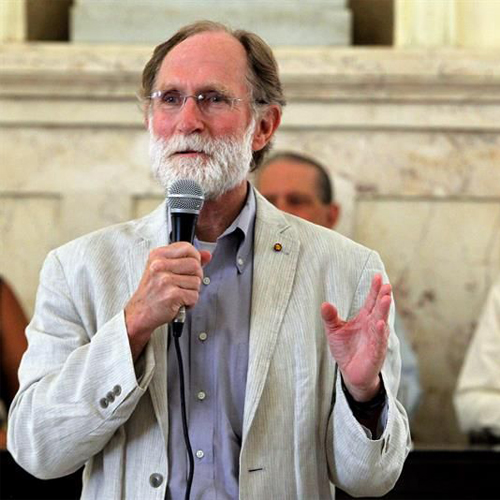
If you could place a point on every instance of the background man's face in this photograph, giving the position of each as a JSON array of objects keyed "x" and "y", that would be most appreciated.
[{"x": 292, "y": 187}]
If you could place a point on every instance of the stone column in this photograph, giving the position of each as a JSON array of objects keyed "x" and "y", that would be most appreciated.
[
  {"x": 447, "y": 23},
  {"x": 477, "y": 24},
  {"x": 33, "y": 20},
  {"x": 12, "y": 21},
  {"x": 279, "y": 22}
]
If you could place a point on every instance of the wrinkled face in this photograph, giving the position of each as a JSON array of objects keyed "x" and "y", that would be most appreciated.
[
  {"x": 203, "y": 62},
  {"x": 292, "y": 187},
  {"x": 212, "y": 146}
]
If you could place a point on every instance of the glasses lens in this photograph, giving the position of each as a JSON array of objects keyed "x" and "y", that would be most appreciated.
[
  {"x": 213, "y": 102},
  {"x": 171, "y": 100}
]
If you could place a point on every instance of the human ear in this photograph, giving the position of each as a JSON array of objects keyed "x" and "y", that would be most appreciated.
[
  {"x": 266, "y": 126},
  {"x": 333, "y": 214}
]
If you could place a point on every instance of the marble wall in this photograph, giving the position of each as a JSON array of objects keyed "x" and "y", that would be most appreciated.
[
  {"x": 412, "y": 137},
  {"x": 289, "y": 22}
]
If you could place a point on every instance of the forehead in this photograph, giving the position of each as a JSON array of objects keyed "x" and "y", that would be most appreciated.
[
  {"x": 290, "y": 174},
  {"x": 205, "y": 59}
]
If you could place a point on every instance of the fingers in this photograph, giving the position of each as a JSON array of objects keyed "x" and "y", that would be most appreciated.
[
  {"x": 179, "y": 258},
  {"x": 380, "y": 344},
  {"x": 182, "y": 249},
  {"x": 381, "y": 328},
  {"x": 177, "y": 297},
  {"x": 185, "y": 266},
  {"x": 206, "y": 257},
  {"x": 176, "y": 251},
  {"x": 378, "y": 292},
  {"x": 374, "y": 292},
  {"x": 172, "y": 277},
  {"x": 382, "y": 308}
]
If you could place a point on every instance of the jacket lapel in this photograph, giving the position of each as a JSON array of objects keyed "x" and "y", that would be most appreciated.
[
  {"x": 276, "y": 252},
  {"x": 152, "y": 231}
]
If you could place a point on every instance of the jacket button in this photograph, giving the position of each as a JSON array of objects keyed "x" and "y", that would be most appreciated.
[
  {"x": 104, "y": 403},
  {"x": 117, "y": 390},
  {"x": 155, "y": 480},
  {"x": 110, "y": 397}
]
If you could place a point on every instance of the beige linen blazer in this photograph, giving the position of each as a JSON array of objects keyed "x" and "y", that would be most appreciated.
[{"x": 82, "y": 401}]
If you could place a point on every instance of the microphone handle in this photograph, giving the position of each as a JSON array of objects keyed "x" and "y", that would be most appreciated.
[
  {"x": 183, "y": 228},
  {"x": 181, "y": 315}
]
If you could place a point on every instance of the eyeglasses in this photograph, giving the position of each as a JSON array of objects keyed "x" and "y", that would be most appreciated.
[{"x": 209, "y": 103}]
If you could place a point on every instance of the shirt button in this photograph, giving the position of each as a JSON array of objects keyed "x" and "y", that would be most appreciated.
[
  {"x": 200, "y": 454},
  {"x": 206, "y": 280},
  {"x": 240, "y": 261},
  {"x": 155, "y": 480},
  {"x": 203, "y": 336},
  {"x": 201, "y": 395}
]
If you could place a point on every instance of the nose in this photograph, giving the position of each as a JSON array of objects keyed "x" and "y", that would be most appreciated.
[{"x": 189, "y": 118}]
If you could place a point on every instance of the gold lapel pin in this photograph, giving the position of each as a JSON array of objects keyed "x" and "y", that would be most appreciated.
[{"x": 277, "y": 247}]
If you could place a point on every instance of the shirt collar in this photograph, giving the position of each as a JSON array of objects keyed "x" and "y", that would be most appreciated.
[
  {"x": 243, "y": 227},
  {"x": 244, "y": 220}
]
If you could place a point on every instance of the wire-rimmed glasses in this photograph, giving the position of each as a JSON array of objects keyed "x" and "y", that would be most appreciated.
[{"x": 211, "y": 102}]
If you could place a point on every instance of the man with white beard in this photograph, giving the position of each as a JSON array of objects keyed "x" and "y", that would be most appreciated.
[{"x": 284, "y": 396}]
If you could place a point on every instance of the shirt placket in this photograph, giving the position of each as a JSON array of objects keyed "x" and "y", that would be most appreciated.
[{"x": 202, "y": 379}]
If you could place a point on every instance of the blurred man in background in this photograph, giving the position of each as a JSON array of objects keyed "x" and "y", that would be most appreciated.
[{"x": 301, "y": 186}]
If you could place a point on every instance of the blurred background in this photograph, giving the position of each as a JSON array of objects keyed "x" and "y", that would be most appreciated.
[{"x": 400, "y": 99}]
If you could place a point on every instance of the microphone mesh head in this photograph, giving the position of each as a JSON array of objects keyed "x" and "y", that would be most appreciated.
[{"x": 185, "y": 196}]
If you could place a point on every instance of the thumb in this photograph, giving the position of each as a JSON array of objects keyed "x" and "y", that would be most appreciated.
[
  {"x": 206, "y": 257},
  {"x": 330, "y": 315}
]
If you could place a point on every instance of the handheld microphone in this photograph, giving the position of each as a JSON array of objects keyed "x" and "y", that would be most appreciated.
[{"x": 184, "y": 200}]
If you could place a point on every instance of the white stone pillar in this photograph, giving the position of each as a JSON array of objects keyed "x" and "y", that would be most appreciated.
[
  {"x": 477, "y": 23},
  {"x": 279, "y": 22},
  {"x": 13, "y": 21},
  {"x": 420, "y": 23},
  {"x": 452, "y": 23}
]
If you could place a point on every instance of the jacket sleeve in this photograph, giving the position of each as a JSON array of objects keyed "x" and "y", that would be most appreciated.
[
  {"x": 76, "y": 388},
  {"x": 359, "y": 465},
  {"x": 477, "y": 396}
]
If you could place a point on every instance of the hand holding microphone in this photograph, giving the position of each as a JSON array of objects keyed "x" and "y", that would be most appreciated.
[{"x": 173, "y": 273}]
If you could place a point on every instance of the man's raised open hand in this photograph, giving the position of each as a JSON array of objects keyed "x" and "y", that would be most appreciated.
[{"x": 359, "y": 346}]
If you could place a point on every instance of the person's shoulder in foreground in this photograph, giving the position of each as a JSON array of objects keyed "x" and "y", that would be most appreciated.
[{"x": 477, "y": 395}]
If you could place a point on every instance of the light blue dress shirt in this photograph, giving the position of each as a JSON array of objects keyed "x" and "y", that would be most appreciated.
[{"x": 214, "y": 347}]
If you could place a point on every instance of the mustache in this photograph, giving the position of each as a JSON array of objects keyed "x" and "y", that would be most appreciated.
[{"x": 192, "y": 143}]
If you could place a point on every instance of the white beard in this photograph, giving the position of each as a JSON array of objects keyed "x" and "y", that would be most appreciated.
[{"x": 226, "y": 164}]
